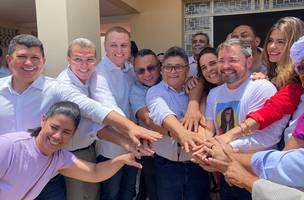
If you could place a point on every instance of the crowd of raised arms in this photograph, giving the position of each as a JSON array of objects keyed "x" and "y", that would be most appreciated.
[{"x": 226, "y": 123}]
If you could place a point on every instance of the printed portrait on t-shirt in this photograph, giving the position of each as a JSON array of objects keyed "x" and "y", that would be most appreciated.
[{"x": 227, "y": 116}]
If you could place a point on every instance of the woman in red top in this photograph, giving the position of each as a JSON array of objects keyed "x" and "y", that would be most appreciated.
[{"x": 281, "y": 73}]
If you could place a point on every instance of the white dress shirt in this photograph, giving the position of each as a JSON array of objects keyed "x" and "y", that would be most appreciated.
[
  {"x": 162, "y": 101},
  {"x": 19, "y": 112},
  {"x": 116, "y": 84},
  {"x": 85, "y": 134}
]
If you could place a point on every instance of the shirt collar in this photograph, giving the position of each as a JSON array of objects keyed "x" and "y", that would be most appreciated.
[
  {"x": 110, "y": 66},
  {"x": 38, "y": 83},
  {"x": 8, "y": 84},
  {"x": 139, "y": 84},
  {"x": 168, "y": 87},
  {"x": 75, "y": 79}
]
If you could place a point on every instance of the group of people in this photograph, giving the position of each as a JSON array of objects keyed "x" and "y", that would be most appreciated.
[{"x": 221, "y": 110}]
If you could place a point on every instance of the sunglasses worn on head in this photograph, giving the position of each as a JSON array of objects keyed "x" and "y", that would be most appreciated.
[
  {"x": 300, "y": 69},
  {"x": 150, "y": 68}
]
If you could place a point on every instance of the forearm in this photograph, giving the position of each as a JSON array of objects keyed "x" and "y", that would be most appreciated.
[
  {"x": 143, "y": 115},
  {"x": 195, "y": 96},
  {"x": 91, "y": 172},
  {"x": 172, "y": 124},
  {"x": 284, "y": 102},
  {"x": 107, "y": 169},
  {"x": 120, "y": 122},
  {"x": 244, "y": 159},
  {"x": 247, "y": 127},
  {"x": 110, "y": 134},
  {"x": 195, "y": 93},
  {"x": 294, "y": 143},
  {"x": 249, "y": 181}
]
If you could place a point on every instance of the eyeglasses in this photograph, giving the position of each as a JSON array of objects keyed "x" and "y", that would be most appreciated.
[
  {"x": 81, "y": 61},
  {"x": 150, "y": 69},
  {"x": 177, "y": 68},
  {"x": 300, "y": 69}
]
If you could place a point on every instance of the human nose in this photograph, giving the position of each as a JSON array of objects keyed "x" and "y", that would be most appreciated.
[
  {"x": 272, "y": 45},
  {"x": 57, "y": 135},
  {"x": 28, "y": 61},
  {"x": 224, "y": 64}
]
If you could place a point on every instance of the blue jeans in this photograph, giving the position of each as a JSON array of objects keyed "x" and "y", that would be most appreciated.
[
  {"x": 180, "y": 180},
  {"x": 232, "y": 193},
  {"x": 121, "y": 186},
  {"x": 54, "y": 189}
]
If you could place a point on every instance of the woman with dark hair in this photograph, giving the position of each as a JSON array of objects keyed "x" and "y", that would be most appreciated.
[
  {"x": 37, "y": 156},
  {"x": 208, "y": 72}
]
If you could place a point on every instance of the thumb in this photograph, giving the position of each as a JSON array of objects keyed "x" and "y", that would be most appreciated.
[
  {"x": 135, "y": 140},
  {"x": 134, "y": 164}
]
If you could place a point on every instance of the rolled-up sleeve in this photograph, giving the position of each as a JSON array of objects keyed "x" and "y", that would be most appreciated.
[
  {"x": 157, "y": 106},
  {"x": 283, "y": 167},
  {"x": 89, "y": 108}
]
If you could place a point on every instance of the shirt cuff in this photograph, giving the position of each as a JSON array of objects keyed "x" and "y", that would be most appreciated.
[{"x": 258, "y": 163}]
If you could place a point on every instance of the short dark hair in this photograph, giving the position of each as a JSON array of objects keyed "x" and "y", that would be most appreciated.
[
  {"x": 203, "y": 34},
  {"x": 249, "y": 26},
  {"x": 145, "y": 52},
  {"x": 66, "y": 108},
  {"x": 134, "y": 48},
  {"x": 176, "y": 51},
  {"x": 27, "y": 40}
]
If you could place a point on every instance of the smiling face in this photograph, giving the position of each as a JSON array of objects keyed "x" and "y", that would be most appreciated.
[
  {"x": 209, "y": 67},
  {"x": 56, "y": 131},
  {"x": 147, "y": 69},
  {"x": 233, "y": 66},
  {"x": 199, "y": 42},
  {"x": 174, "y": 72},
  {"x": 246, "y": 35},
  {"x": 26, "y": 65},
  {"x": 82, "y": 62},
  {"x": 276, "y": 46},
  {"x": 118, "y": 47}
]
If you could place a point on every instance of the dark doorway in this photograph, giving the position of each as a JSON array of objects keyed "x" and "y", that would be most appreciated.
[{"x": 260, "y": 21}]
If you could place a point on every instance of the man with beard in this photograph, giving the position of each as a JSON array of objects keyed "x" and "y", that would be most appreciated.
[{"x": 243, "y": 95}]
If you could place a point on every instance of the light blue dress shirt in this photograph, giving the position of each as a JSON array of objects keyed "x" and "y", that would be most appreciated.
[
  {"x": 162, "y": 101},
  {"x": 283, "y": 167},
  {"x": 138, "y": 97},
  {"x": 4, "y": 72}
]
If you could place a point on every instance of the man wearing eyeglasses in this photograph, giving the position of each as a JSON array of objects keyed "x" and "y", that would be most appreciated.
[
  {"x": 81, "y": 58},
  {"x": 176, "y": 176},
  {"x": 147, "y": 71},
  {"x": 199, "y": 42}
]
